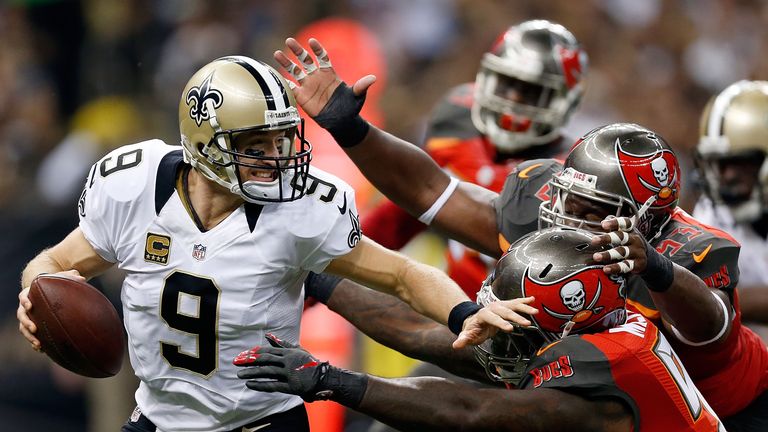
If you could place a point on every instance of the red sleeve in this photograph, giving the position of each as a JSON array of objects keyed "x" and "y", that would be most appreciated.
[
  {"x": 390, "y": 225},
  {"x": 469, "y": 160}
]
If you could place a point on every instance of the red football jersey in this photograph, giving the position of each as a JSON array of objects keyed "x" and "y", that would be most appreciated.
[{"x": 633, "y": 362}]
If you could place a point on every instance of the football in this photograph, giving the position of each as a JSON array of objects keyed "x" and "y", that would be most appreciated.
[{"x": 77, "y": 326}]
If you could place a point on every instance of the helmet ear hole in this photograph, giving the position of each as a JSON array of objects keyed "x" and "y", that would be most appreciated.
[{"x": 546, "y": 270}]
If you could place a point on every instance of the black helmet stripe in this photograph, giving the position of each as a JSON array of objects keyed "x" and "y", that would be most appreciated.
[
  {"x": 279, "y": 83},
  {"x": 267, "y": 82}
]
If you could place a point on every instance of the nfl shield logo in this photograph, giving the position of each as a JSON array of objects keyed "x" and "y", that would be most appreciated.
[{"x": 198, "y": 252}]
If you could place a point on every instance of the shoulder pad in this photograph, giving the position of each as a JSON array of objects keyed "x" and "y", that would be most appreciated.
[
  {"x": 708, "y": 252},
  {"x": 451, "y": 117},
  {"x": 517, "y": 206}
]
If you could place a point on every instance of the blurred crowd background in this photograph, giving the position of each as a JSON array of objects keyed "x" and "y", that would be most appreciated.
[{"x": 78, "y": 78}]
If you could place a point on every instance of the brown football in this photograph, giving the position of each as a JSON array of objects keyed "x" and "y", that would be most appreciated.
[{"x": 77, "y": 326}]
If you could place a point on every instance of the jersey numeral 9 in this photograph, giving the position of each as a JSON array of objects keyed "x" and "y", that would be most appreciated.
[{"x": 203, "y": 324}]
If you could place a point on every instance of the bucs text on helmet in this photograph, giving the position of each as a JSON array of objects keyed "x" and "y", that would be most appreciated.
[
  {"x": 734, "y": 129},
  {"x": 622, "y": 169},
  {"x": 571, "y": 291},
  {"x": 233, "y": 97},
  {"x": 528, "y": 85}
]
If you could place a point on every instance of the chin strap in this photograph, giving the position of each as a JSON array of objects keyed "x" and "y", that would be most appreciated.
[{"x": 567, "y": 330}]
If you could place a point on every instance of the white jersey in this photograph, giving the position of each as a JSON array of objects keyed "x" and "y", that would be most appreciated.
[
  {"x": 753, "y": 259},
  {"x": 193, "y": 300}
]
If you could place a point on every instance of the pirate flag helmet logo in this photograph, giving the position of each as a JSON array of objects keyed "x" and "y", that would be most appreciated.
[{"x": 570, "y": 290}]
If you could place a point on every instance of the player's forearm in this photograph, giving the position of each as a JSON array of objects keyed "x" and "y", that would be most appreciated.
[
  {"x": 393, "y": 323},
  {"x": 435, "y": 404},
  {"x": 691, "y": 308},
  {"x": 72, "y": 253},
  {"x": 754, "y": 304},
  {"x": 400, "y": 170},
  {"x": 425, "y": 404},
  {"x": 44, "y": 262},
  {"x": 428, "y": 290}
]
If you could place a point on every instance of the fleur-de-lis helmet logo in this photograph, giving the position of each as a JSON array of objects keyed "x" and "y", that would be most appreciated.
[{"x": 197, "y": 97}]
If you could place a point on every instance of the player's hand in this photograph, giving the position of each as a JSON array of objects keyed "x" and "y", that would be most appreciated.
[
  {"x": 26, "y": 326},
  {"x": 493, "y": 317},
  {"x": 283, "y": 368},
  {"x": 315, "y": 82},
  {"x": 628, "y": 253}
]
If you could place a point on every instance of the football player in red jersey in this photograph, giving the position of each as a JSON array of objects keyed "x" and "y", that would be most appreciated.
[
  {"x": 528, "y": 85},
  {"x": 728, "y": 362},
  {"x": 585, "y": 363}
]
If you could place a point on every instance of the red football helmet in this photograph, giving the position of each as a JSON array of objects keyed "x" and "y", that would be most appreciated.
[
  {"x": 624, "y": 168},
  {"x": 571, "y": 291}
]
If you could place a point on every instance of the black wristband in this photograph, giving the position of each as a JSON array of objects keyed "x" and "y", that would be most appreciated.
[
  {"x": 659, "y": 271},
  {"x": 341, "y": 117},
  {"x": 320, "y": 286},
  {"x": 343, "y": 386},
  {"x": 460, "y": 313}
]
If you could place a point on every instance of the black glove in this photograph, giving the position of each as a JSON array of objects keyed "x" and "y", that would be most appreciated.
[
  {"x": 320, "y": 286},
  {"x": 659, "y": 270},
  {"x": 284, "y": 368},
  {"x": 341, "y": 116}
]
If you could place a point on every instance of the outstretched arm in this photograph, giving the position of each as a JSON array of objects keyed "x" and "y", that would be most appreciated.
[
  {"x": 400, "y": 170},
  {"x": 429, "y": 291},
  {"x": 426, "y": 404},
  {"x": 393, "y": 323}
]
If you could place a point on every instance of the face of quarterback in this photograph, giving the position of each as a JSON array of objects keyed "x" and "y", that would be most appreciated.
[{"x": 260, "y": 144}]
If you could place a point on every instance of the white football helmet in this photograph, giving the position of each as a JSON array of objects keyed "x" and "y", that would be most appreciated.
[{"x": 236, "y": 95}]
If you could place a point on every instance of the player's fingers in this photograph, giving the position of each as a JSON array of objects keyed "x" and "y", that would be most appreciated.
[
  {"x": 517, "y": 305},
  {"x": 363, "y": 84},
  {"x": 498, "y": 318},
  {"x": 285, "y": 63},
  {"x": 296, "y": 72},
  {"x": 619, "y": 253},
  {"x": 323, "y": 60},
  {"x": 626, "y": 266},
  {"x": 625, "y": 223},
  {"x": 264, "y": 372},
  {"x": 306, "y": 61},
  {"x": 258, "y": 356},
  {"x": 72, "y": 274},
  {"x": 618, "y": 238},
  {"x": 267, "y": 386},
  {"x": 21, "y": 315},
  {"x": 29, "y": 337},
  {"x": 24, "y": 299}
]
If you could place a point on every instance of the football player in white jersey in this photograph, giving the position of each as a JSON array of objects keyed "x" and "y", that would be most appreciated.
[
  {"x": 216, "y": 238},
  {"x": 731, "y": 156}
]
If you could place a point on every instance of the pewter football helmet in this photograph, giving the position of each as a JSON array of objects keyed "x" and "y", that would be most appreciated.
[
  {"x": 572, "y": 293},
  {"x": 542, "y": 64},
  {"x": 623, "y": 167}
]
